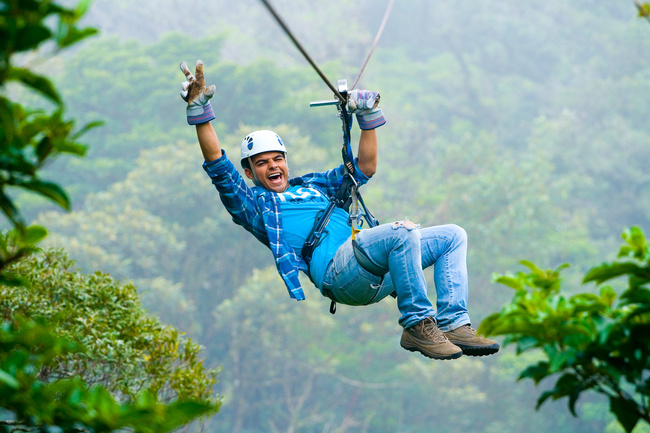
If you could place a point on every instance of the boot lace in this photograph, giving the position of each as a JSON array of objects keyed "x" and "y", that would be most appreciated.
[{"x": 430, "y": 330}]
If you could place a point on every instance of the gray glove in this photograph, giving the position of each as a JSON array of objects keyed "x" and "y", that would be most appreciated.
[
  {"x": 365, "y": 103},
  {"x": 194, "y": 92}
]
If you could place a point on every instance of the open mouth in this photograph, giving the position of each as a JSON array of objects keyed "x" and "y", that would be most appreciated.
[{"x": 275, "y": 178}]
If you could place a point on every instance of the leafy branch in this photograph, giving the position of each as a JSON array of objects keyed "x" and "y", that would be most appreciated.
[
  {"x": 30, "y": 139},
  {"x": 70, "y": 404},
  {"x": 598, "y": 342}
]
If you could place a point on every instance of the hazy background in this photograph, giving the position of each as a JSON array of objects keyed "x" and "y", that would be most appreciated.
[{"x": 524, "y": 122}]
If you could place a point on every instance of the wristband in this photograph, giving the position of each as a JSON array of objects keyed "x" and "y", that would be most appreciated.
[
  {"x": 370, "y": 119},
  {"x": 194, "y": 118}
]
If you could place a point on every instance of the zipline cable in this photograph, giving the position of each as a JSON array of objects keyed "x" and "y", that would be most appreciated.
[
  {"x": 349, "y": 186},
  {"x": 374, "y": 44},
  {"x": 313, "y": 64},
  {"x": 302, "y": 50}
]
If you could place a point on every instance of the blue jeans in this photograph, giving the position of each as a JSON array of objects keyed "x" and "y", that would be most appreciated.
[{"x": 405, "y": 249}]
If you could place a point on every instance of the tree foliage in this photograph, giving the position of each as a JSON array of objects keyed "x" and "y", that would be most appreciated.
[
  {"x": 70, "y": 405},
  {"x": 517, "y": 121},
  {"x": 593, "y": 342},
  {"x": 128, "y": 350},
  {"x": 44, "y": 376},
  {"x": 29, "y": 138}
]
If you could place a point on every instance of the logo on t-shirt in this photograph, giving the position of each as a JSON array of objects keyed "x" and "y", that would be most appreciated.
[{"x": 301, "y": 193}]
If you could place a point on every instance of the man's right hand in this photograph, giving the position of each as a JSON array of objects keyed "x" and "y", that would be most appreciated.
[{"x": 194, "y": 92}]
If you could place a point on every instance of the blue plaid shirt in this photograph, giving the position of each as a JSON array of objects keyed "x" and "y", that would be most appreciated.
[{"x": 258, "y": 211}]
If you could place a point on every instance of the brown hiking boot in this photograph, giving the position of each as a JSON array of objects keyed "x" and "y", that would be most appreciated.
[
  {"x": 472, "y": 344},
  {"x": 426, "y": 338}
]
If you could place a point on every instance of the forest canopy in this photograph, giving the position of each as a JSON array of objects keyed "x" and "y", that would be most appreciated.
[{"x": 525, "y": 123}]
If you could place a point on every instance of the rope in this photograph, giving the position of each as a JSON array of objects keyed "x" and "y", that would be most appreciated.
[
  {"x": 374, "y": 44},
  {"x": 338, "y": 95},
  {"x": 302, "y": 50}
]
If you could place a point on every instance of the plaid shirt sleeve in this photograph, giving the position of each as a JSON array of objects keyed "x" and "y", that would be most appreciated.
[
  {"x": 238, "y": 199},
  {"x": 257, "y": 211}
]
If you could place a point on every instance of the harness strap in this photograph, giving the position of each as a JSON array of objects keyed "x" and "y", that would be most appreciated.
[
  {"x": 366, "y": 262},
  {"x": 315, "y": 236}
]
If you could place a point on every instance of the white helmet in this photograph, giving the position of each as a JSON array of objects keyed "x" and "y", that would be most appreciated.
[{"x": 260, "y": 142}]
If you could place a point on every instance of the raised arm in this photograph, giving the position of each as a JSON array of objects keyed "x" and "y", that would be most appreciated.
[
  {"x": 199, "y": 110},
  {"x": 368, "y": 152},
  {"x": 365, "y": 103},
  {"x": 208, "y": 141}
]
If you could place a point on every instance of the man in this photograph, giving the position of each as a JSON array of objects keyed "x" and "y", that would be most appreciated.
[{"x": 281, "y": 212}]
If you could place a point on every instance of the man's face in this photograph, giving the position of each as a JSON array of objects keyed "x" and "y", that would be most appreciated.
[{"x": 271, "y": 170}]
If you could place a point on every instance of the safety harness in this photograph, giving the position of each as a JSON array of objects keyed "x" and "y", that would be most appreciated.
[{"x": 347, "y": 197}]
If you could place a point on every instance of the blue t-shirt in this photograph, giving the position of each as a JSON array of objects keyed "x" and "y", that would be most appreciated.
[{"x": 299, "y": 206}]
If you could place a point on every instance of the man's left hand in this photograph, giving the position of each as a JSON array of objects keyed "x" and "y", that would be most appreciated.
[
  {"x": 363, "y": 100},
  {"x": 365, "y": 103}
]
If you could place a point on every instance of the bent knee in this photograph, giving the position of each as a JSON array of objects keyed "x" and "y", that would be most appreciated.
[
  {"x": 408, "y": 225},
  {"x": 406, "y": 230},
  {"x": 458, "y": 233}
]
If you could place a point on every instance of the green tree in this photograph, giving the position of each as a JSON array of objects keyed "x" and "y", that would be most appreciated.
[
  {"x": 30, "y": 139},
  {"x": 520, "y": 139},
  {"x": 128, "y": 350},
  {"x": 41, "y": 374},
  {"x": 34, "y": 404},
  {"x": 593, "y": 342}
]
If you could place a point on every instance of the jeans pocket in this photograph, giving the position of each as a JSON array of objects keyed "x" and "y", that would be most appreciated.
[{"x": 356, "y": 288}]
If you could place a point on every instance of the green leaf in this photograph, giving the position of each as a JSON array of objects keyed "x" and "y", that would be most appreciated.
[
  {"x": 74, "y": 35},
  {"x": 82, "y": 7},
  {"x": 508, "y": 281},
  {"x": 108, "y": 410},
  {"x": 72, "y": 148},
  {"x": 12, "y": 279},
  {"x": 570, "y": 386},
  {"x": 534, "y": 269},
  {"x": 182, "y": 412},
  {"x": 639, "y": 296},
  {"x": 34, "y": 234},
  {"x": 607, "y": 271},
  {"x": 637, "y": 244},
  {"x": 49, "y": 190},
  {"x": 36, "y": 82},
  {"x": 489, "y": 324},
  {"x": 536, "y": 372},
  {"x": 560, "y": 360},
  {"x": 44, "y": 148},
  {"x": 10, "y": 210},
  {"x": 625, "y": 413},
  {"x": 24, "y": 238},
  {"x": 9, "y": 380},
  {"x": 30, "y": 37},
  {"x": 604, "y": 328},
  {"x": 526, "y": 342},
  {"x": 86, "y": 128},
  {"x": 607, "y": 295},
  {"x": 543, "y": 397}
]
